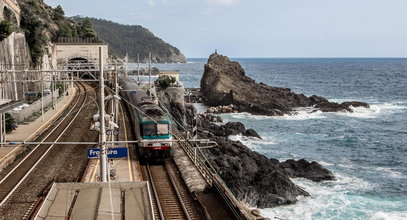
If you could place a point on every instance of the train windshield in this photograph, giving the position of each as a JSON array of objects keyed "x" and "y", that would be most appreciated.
[
  {"x": 162, "y": 129},
  {"x": 155, "y": 129},
  {"x": 149, "y": 130}
]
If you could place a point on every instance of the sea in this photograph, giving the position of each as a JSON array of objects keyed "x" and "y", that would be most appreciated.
[{"x": 366, "y": 150}]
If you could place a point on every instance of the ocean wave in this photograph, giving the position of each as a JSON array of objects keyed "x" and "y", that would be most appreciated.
[
  {"x": 300, "y": 114},
  {"x": 389, "y": 216},
  {"x": 391, "y": 173},
  {"x": 330, "y": 199},
  {"x": 303, "y": 114},
  {"x": 251, "y": 141},
  {"x": 375, "y": 110}
]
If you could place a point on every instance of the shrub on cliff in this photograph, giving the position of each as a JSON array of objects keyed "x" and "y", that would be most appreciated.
[
  {"x": 165, "y": 81},
  {"x": 6, "y": 28}
]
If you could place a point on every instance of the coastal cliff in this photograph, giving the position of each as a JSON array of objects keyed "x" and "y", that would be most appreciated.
[{"x": 224, "y": 82}]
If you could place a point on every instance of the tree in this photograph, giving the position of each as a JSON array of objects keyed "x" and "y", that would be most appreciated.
[
  {"x": 6, "y": 28},
  {"x": 86, "y": 30},
  {"x": 164, "y": 81},
  {"x": 9, "y": 122},
  {"x": 59, "y": 13}
]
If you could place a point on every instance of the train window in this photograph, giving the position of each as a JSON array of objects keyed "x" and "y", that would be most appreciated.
[
  {"x": 149, "y": 129},
  {"x": 162, "y": 129}
]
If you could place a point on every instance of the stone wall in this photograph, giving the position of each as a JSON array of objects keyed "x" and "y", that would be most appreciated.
[{"x": 14, "y": 55}]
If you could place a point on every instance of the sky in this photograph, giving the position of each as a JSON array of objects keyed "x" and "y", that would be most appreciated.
[{"x": 262, "y": 28}]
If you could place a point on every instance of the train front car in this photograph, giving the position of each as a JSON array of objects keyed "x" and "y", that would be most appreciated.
[
  {"x": 151, "y": 125},
  {"x": 156, "y": 133}
]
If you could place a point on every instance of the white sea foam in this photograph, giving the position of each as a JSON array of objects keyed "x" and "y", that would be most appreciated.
[
  {"x": 300, "y": 114},
  {"x": 375, "y": 110},
  {"x": 331, "y": 199},
  {"x": 252, "y": 142},
  {"x": 389, "y": 216},
  {"x": 390, "y": 172},
  {"x": 323, "y": 163},
  {"x": 303, "y": 114}
]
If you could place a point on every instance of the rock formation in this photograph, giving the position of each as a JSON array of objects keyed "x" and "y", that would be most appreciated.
[
  {"x": 302, "y": 168},
  {"x": 172, "y": 98},
  {"x": 252, "y": 177},
  {"x": 224, "y": 82}
]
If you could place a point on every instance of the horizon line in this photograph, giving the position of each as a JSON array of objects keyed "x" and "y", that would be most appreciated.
[{"x": 304, "y": 57}]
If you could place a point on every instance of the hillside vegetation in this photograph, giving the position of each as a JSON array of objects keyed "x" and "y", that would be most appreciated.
[
  {"x": 43, "y": 24},
  {"x": 133, "y": 40}
]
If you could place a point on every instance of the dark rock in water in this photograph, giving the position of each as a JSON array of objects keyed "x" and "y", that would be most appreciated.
[
  {"x": 252, "y": 133},
  {"x": 223, "y": 109},
  {"x": 230, "y": 128},
  {"x": 225, "y": 82},
  {"x": 211, "y": 117},
  {"x": 233, "y": 128},
  {"x": 303, "y": 168},
  {"x": 356, "y": 104},
  {"x": 335, "y": 107},
  {"x": 252, "y": 177}
]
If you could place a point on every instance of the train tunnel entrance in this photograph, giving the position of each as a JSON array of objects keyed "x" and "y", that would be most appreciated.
[{"x": 82, "y": 67}]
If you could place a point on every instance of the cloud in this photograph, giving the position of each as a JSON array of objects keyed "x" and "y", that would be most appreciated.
[
  {"x": 151, "y": 3},
  {"x": 221, "y": 2}
]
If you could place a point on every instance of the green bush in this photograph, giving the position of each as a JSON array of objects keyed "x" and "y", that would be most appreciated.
[
  {"x": 6, "y": 28},
  {"x": 9, "y": 122},
  {"x": 165, "y": 81}
]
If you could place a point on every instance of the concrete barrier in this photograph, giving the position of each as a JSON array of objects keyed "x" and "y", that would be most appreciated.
[{"x": 20, "y": 116}]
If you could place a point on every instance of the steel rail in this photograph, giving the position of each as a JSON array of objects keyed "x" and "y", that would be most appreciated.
[
  {"x": 174, "y": 185},
  {"x": 150, "y": 177},
  {"x": 44, "y": 154}
]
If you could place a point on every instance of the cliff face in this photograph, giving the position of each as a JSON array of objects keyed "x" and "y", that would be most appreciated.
[
  {"x": 225, "y": 82},
  {"x": 14, "y": 55},
  {"x": 14, "y": 52},
  {"x": 172, "y": 98}
]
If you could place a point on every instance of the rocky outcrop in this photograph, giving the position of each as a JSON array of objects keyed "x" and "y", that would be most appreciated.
[
  {"x": 211, "y": 117},
  {"x": 252, "y": 177},
  {"x": 230, "y": 128},
  {"x": 224, "y": 82},
  {"x": 305, "y": 169},
  {"x": 172, "y": 98},
  {"x": 334, "y": 107},
  {"x": 223, "y": 109}
]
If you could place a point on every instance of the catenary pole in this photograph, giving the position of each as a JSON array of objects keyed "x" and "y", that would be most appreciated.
[{"x": 103, "y": 150}]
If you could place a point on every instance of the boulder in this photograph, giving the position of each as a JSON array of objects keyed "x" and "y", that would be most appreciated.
[
  {"x": 252, "y": 133},
  {"x": 303, "y": 168},
  {"x": 225, "y": 83},
  {"x": 211, "y": 117}
]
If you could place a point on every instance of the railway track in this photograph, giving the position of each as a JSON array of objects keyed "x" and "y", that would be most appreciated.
[
  {"x": 15, "y": 177},
  {"x": 171, "y": 200}
]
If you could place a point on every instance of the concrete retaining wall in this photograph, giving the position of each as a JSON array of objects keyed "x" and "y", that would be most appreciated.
[{"x": 34, "y": 107}]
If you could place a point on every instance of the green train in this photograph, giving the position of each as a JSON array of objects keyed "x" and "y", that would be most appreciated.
[{"x": 152, "y": 125}]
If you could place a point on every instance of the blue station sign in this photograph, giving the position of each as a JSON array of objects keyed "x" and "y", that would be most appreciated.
[{"x": 111, "y": 152}]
